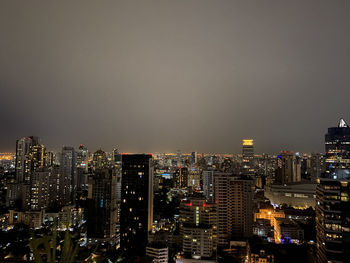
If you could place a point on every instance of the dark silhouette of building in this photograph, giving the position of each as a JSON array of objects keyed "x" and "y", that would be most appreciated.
[
  {"x": 234, "y": 198},
  {"x": 136, "y": 209},
  {"x": 68, "y": 175},
  {"x": 102, "y": 205}
]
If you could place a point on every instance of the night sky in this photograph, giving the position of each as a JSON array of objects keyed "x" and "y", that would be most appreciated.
[{"x": 150, "y": 76}]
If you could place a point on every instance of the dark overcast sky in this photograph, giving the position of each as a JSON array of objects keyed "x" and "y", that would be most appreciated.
[{"x": 166, "y": 75}]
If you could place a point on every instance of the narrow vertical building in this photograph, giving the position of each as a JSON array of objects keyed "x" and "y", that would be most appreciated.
[
  {"x": 136, "y": 209},
  {"x": 248, "y": 157},
  {"x": 68, "y": 178},
  {"x": 208, "y": 185},
  {"x": 102, "y": 205}
]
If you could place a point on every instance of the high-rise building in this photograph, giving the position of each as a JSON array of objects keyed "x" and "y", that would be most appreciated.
[
  {"x": 136, "y": 209},
  {"x": 82, "y": 163},
  {"x": 248, "y": 157},
  {"x": 333, "y": 203},
  {"x": 29, "y": 158},
  {"x": 39, "y": 190},
  {"x": 102, "y": 205},
  {"x": 48, "y": 159},
  {"x": 82, "y": 158},
  {"x": 288, "y": 168},
  {"x": 99, "y": 160},
  {"x": 194, "y": 158},
  {"x": 234, "y": 198},
  {"x": 181, "y": 177},
  {"x": 208, "y": 185},
  {"x": 68, "y": 183},
  {"x": 117, "y": 157},
  {"x": 317, "y": 166},
  {"x": 194, "y": 177},
  {"x": 198, "y": 227}
]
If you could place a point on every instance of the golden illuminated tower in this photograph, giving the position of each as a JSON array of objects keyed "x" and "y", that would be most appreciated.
[{"x": 248, "y": 157}]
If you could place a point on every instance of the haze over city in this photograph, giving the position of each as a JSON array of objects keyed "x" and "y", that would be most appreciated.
[{"x": 161, "y": 76}]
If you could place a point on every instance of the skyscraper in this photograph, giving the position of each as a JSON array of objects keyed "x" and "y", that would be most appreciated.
[
  {"x": 288, "y": 168},
  {"x": 29, "y": 157},
  {"x": 194, "y": 158},
  {"x": 39, "y": 190},
  {"x": 234, "y": 198},
  {"x": 68, "y": 172},
  {"x": 248, "y": 157},
  {"x": 99, "y": 160},
  {"x": 208, "y": 185},
  {"x": 198, "y": 227},
  {"x": 181, "y": 177},
  {"x": 333, "y": 203},
  {"x": 82, "y": 158},
  {"x": 102, "y": 205},
  {"x": 136, "y": 208}
]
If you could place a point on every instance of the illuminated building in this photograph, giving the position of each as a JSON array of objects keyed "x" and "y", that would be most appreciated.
[
  {"x": 301, "y": 195},
  {"x": 194, "y": 158},
  {"x": 33, "y": 219},
  {"x": 260, "y": 256},
  {"x": 158, "y": 252},
  {"x": 39, "y": 190},
  {"x": 262, "y": 227},
  {"x": 82, "y": 158},
  {"x": 68, "y": 216},
  {"x": 181, "y": 177},
  {"x": 29, "y": 158},
  {"x": 287, "y": 231},
  {"x": 333, "y": 204},
  {"x": 288, "y": 168},
  {"x": 198, "y": 227},
  {"x": 99, "y": 160},
  {"x": 48, "y": 159},
  {"x": 248, "y": 157},
  {"x": 82, "y": 163},
  {"x": 193, "y": 179},
  {"x": 102, "y": 205},
  {"x": 136, "y": 208},
  {"x": 208, "y": 185},
  {"x": 234, "y": 198},
  {"x": 269, "y": 214}
]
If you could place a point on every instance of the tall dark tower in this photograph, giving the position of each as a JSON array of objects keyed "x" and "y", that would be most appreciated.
[
  {"x": 102, "y": 205},
  {"x": 333, "y": 204},
  {"x": 136, "y": 209},
  {"x": 68, "y": 173}
]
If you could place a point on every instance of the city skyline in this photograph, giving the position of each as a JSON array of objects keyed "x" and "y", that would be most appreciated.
[
  {"x": 244, "y": 143},
  {"x": 159, "y": 76},
  {"x": 175, "y": 131}
]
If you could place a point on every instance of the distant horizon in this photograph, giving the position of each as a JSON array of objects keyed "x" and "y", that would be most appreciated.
[{"x": 154, "y": 76}]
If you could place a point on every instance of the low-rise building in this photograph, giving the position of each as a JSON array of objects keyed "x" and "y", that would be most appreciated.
[{"x": 158, "y": 252}]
